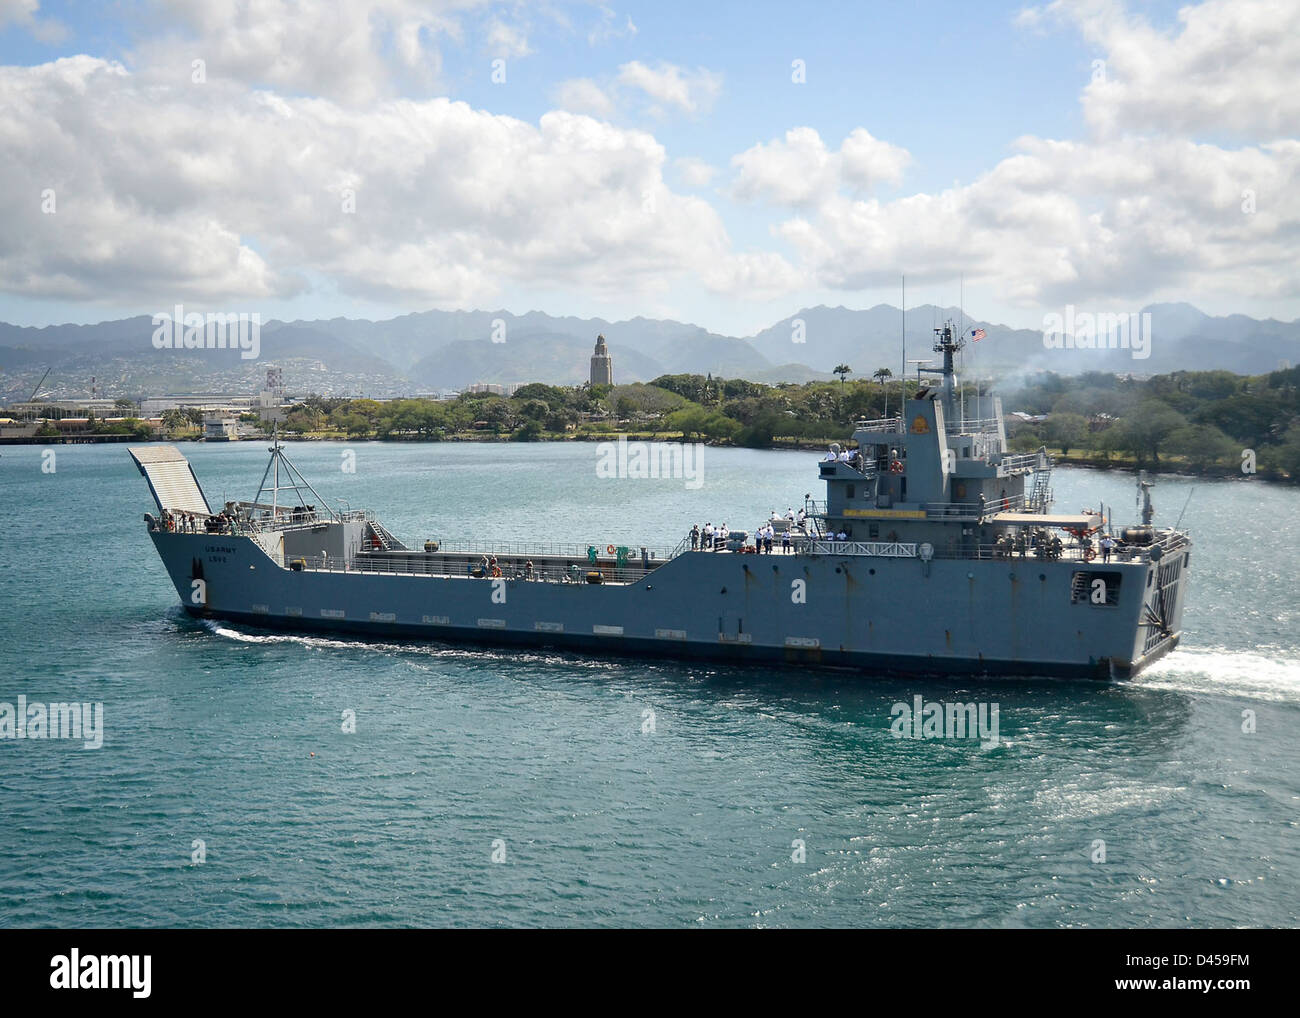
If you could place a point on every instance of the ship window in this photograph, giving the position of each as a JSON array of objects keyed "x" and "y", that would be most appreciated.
[
  {"x": 873, "y": 531},
  {"x": 965, "y": 452},
  {"x": 849, "y": 491}
]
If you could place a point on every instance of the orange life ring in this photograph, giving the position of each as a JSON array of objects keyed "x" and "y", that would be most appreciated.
[
  {"x": 609, "y": 548},
  {"x": 896, "y": 467},
  {"x": 496, "y": 571}
]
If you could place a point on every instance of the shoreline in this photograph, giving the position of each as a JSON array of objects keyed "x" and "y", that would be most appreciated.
[{"x": 1086, "y": 462}]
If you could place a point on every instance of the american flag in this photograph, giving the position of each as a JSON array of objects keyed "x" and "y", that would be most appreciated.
[{"x": 976, "y": 334}]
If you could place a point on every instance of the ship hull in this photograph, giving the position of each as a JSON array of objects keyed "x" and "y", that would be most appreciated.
[{"x": 874, "y": 615}]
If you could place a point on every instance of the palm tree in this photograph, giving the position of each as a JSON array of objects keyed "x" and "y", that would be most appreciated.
[
  {"x": 880, "y": 374},
  {"x": 842, "y": 370}
]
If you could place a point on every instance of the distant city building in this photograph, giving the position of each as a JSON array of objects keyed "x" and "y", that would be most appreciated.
[
  {"x": 494, "y": 388},
  {"x": 63, "y": 408},
  {"x": 220, "y": 428},
  {"x": 208, "y": 401},
  {"x": 602, "y": 364}
]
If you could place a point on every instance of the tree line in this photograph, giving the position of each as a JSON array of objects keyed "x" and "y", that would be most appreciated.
[{"x": 1195, "y": 420}]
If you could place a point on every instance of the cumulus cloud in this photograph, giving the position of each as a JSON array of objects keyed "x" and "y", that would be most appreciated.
[
  {"x": 214, "y": 192},
  {"x": 799, "y": 170},
  {"x": 348, "y": 50},
  {"x": 1072, "y": 221},
  {"x": 668, "y": 85},
  {"x": 695, "y": 173},
  {"x": 24, "y": 13},
  {"x": 507, "y": 40},
  {"x": 1143, "y": 207},
  {"x": 583, "y": 95},
  {"x": 607, "y": 28},
  {"x": 1229, "y": 69},
  {"x": 659, "y": 90}
]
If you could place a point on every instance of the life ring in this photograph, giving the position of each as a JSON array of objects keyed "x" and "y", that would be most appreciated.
[
  {"x": 496, "y": 571},
  {"x": 609, "y": 549},
  {"x": 896, "y": 467}
]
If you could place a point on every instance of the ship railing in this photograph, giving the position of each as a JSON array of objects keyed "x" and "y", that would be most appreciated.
[
  {"x": 889, "y": 425},
  {"x": 1023, "y": 461},
  {"x": 1040, "y": 502},
  {"x": 971, "y": 511},
  {"x": 875, "y": 549},
  {"x": 1071, "y": 551},
  {"x": 260, "y": 519},
  {"x": 419, "y": 565},
  {"x": 1028, "y": 551},
  {"x": 528, "y": 549},
  {"x": 976, "y": 426}
]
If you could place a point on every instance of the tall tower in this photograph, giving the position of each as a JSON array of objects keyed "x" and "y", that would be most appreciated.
[{"x": 602, "y": 364}]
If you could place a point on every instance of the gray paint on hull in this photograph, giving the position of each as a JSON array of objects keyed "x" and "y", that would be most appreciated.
[{"x": 897, "y": 615}]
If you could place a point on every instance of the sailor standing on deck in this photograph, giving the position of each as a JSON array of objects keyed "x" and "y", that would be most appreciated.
[
  {"x": 1107, "y": 543},
  {"x": 695, "y": 537}
]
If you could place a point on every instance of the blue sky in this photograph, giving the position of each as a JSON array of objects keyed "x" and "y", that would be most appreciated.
[{"x": 954, "y": 87}]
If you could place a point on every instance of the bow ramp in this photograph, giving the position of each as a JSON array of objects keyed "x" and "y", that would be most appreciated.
[{"x": 171, "y": 479}]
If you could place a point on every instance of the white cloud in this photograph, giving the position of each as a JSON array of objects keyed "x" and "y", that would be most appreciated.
[
  {"x": 1229, "y": 69},
  {"x": 1140, "y": 209},
  {"x": 607, "y": 28},
  {"x": 695, "y": 173},
  {"x": 1075, "y": 221},
  {"x": 657, "y": 90},
  {"x": 20, "y": 11},
  {"x": 507, "y": 40},
  {"x": 670, "y": 85},
  {"x": 333, "y": 48},
  {"x": 799, "y": 170},
  {"x": 582, "y": 95},
  {"x": 170, "y": 192},
  {"x": 23, "y": 12}
]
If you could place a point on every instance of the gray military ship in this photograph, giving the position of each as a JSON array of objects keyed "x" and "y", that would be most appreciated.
[{"x": 935, "y": 551}]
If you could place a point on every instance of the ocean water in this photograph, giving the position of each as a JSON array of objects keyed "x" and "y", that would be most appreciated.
[{"x": 233, "y": 737}]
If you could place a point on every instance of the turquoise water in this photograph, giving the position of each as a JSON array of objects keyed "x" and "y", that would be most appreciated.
[{"x": 210, "y": 731}]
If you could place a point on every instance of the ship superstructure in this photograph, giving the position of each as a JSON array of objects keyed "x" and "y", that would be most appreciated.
[{"x": 934, "y": 551}]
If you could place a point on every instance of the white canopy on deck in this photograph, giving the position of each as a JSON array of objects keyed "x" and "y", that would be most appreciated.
[{"x": 1072, "y": 521}]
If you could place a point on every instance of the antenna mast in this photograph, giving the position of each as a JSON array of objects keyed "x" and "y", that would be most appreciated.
[
  {"x": 961, "y": 319},
  {"x": 294, "y": 481},
  {"x": 902, "y": 380}
]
